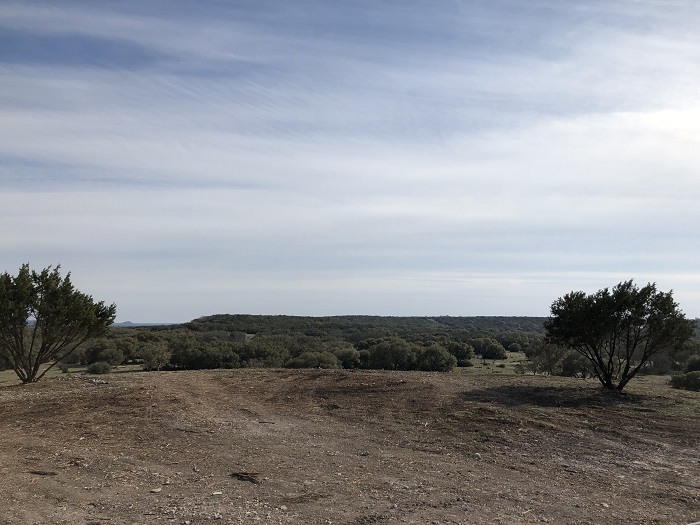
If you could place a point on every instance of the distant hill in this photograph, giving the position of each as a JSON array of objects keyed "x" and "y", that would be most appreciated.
[
  {"x": 267, "y": 323},
  {"x": 127, "y": 324}
]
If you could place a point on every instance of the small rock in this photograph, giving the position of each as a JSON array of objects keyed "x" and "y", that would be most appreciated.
[
  {"x": 156, "y": 490},
  {"x": 217, "y": 493}
]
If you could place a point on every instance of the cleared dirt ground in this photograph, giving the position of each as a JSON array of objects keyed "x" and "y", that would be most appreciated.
[{"x": 343, "y": 447}]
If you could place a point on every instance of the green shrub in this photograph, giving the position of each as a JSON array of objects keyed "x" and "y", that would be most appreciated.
[
  {"x": 77, "y": 357},
  {"x": 198, "y": 356},
  {"x": 155, "y": 356},
  {"x": 660, "y": 364},
  {"x": 99, "y": 368},
  {"x": 392, "y": 353},
  {"x": 515, "y": 347},
  {"x": 575, "y": 365},
  {"x": 547, "y": 358},
  {"x": 103, "y": 350},
  {"x": 435, "y": 359},
  {"x": 64, "y": 368},
  {"x": 488, "y": 348},
  {"x": 349, "y": 357},
  {"x": 263, "y": 352},
  {"x": 461, "y": 350},
  {"x": 364, "y": 358},
  {"x": 113, "y": 356},
  {"x": 689, "y": 381},
  {"x": 693, "y": 364},
  {"x": 314, "y": 360},
  {"x": 494, "y": 351}
]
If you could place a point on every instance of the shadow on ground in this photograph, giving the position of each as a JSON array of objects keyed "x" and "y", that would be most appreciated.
[{"x": 549, "y": 396}]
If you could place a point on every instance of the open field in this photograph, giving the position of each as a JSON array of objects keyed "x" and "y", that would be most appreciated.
[
  {"x": 344, "y": 447},
  {"x": 55, "y": 372},
  {"x": 496, "y": 366},
  {"x": 481, "y": 366}
]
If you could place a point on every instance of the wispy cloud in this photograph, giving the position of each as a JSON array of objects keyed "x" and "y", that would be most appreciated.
[{"x": 373, "y": 157}]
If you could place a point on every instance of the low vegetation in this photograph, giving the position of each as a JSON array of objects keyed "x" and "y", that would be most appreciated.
[
  {"x": 100, "y": 367},
  {"x": 358, "y": 342},
  {"x": 353, "y": 342},
  {"x": 610, "y": 335},
  {"x": 687, "y": 381}
]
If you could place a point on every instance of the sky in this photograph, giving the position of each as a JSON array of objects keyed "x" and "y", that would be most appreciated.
[{"x": 457, "y": 157}]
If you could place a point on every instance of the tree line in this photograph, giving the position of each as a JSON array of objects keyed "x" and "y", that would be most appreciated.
[
  {"x": 611, "y": 335},
  {"x": 181, "y": 348}
]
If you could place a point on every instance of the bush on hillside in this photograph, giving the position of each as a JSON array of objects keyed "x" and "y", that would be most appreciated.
[
  {"x": 392, "y": 353},
  {"x": 435, "y": 359},
  {"x": 106, "y": 354},
  {"x": 462, "y": 351},
  {"x": 263, "y": 352},
  {"x": 113, "y": 356},
  {"x": 693, "y": 364},
  {"x": 575, "y": 365},
  {"x": 99, "y": 367},
  {"x": 494, "y": 351},
  {"x": 515, "y": 347},
  {"x": 155, "y": 356},
  {"x": 314, "y": 360},
  {"x": 349, "y": 357},
  {"x": 689, "y": 381}
]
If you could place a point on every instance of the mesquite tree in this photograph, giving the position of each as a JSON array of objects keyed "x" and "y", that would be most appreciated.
[
  {"x": 43, "y": 319},
  {"x": 618, "y": 331}
]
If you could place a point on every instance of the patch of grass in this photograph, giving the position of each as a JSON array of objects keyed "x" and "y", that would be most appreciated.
[
  {"x": 10, "y": 376},
  {"x": 491, "y": 366}
]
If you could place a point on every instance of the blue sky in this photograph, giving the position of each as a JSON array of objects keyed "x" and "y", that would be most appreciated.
[{"x": 366, "y": 157}]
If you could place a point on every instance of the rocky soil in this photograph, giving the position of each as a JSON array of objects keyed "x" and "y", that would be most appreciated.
[{"x": 344, "y": 447}]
